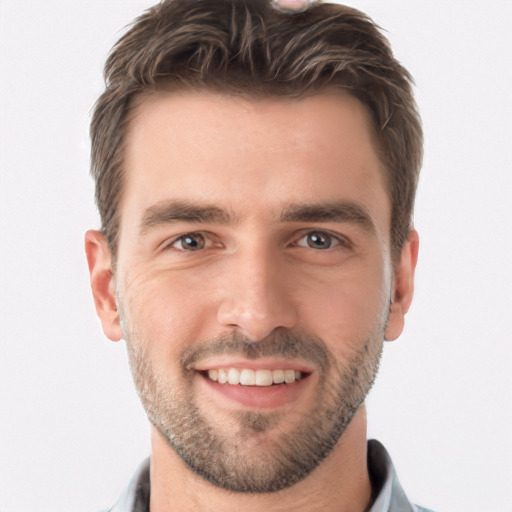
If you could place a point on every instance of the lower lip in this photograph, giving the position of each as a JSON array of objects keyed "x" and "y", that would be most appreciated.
[{"x": 259, "y": 397}]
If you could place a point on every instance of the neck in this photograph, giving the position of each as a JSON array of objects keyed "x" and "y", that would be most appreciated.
[{"x": 339, "y": 483}]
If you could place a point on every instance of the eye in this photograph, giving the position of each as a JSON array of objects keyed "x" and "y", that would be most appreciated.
[
  {"x": 318, "y": 240},
  {"x": 189, "y": 242}
]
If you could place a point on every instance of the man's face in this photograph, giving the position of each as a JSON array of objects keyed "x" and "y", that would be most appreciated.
[{"x": 254, "y": 246}]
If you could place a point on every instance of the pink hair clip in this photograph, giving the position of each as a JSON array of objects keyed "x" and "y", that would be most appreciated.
[{"x": 292, "y": 6}]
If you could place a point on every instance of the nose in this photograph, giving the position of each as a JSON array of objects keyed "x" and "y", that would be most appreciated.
[{"x": 257, "y": 297}]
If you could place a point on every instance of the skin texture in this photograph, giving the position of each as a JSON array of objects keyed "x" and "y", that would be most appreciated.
[{"x": 254, "y": 234}]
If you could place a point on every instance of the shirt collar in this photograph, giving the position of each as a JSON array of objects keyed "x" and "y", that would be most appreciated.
[
  {"x": 135, "y": 498},
  {"x": 388, "y": 493}
]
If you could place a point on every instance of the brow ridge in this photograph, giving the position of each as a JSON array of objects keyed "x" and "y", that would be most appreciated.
[
  {"x": 168, "y": 212},
  {"x": 338, "y": 211}
]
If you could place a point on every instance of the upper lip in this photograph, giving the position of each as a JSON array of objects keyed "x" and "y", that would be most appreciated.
[{"x": 256, "y": 364}]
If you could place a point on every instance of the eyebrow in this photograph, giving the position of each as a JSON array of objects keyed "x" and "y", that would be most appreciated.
[
  {"x": 346, "y": 212},
  {"x": 169, "y": 212}
]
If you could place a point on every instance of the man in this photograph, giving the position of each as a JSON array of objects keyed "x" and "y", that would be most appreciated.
[{"x": 255, "y": 170}]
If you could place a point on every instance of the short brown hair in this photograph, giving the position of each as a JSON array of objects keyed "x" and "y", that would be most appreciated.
[{"x": 248, "y": 47}]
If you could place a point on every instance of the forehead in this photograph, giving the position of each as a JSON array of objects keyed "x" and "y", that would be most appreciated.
[{"x": 249, "y": 155}]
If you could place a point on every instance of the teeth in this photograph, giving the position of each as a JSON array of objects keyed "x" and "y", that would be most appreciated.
[
  {"x": 248, "y": 377},
  {"x": 278, "y": 376},
  {"x": 289, "y": 376},
  {"x": 263, "y": 377},
  {"x": 233, "y": 376}
]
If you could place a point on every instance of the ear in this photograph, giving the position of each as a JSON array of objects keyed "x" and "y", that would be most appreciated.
[
  {"x": 403, "y": 287},
  {"x": 101, "y": 274}
]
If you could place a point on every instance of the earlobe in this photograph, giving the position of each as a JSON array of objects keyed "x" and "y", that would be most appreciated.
[
  {"x": 101, "y": 274},
  {"x": 403, "y": 288}
]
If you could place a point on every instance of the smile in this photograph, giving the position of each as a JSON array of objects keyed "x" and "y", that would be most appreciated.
[{"x": 249, "y": 377}]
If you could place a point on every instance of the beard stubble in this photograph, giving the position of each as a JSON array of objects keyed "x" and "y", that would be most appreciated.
[{"x": 247, "y": 460}]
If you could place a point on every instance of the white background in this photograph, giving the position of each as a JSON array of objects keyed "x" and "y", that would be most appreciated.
[{"x": 71, "y": 428}]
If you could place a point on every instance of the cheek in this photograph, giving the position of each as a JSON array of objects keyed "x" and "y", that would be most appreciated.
[
  {"x": 346, "y": 309},
  {"x": 165, "y": 308}
]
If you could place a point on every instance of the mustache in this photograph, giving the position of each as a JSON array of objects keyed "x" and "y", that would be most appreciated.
[{"x": 285, "y": 344}]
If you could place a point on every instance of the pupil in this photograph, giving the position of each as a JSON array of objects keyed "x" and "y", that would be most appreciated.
[
  {"x": 319, "y": 241},
  {"x": 192, "y": 242}
]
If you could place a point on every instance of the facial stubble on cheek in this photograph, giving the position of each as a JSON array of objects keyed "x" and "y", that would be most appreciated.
[{"x": 253, "y": 457}]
